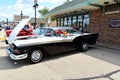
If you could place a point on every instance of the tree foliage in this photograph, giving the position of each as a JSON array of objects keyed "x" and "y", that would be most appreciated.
[{"x": 43, "y": 11}]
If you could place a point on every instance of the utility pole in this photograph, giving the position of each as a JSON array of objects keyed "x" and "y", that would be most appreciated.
[{"x": 35, "y": 7}]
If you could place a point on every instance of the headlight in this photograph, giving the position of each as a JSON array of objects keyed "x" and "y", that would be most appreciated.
[
  {"x": 17, "y": 51},
  {"x": 12, "y": 46}
]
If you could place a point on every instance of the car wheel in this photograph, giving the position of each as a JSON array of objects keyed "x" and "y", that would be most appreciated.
[
  {"x": 35, "y": 56},
  {"x": 84, "y": 47}
]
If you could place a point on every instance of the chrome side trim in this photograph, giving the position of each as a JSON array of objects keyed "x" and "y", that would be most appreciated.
[{"x": 15, "y": 57}]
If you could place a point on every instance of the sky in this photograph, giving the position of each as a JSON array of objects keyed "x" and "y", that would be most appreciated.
[{"x": 9, "y": 8}]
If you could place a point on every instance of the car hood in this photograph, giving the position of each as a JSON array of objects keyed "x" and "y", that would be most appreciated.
[{"x": 17, "y": 29}]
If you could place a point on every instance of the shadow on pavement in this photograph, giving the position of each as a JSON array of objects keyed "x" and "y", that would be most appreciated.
[
  {"x": 61, "y": 55},
  {"x": 7, "y": 63},
  {"x": 104, "y": 54},
  {"x": 106, "y": 76}
]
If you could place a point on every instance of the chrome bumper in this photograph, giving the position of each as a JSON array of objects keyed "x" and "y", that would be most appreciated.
[{"x": 15, "y": 57}]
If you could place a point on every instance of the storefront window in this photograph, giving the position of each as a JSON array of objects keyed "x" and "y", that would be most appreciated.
[
  {"x": 65, "y": 21},
  {"x": 61, "y": 24},
  {"x": 69, "y": 21},
  {"x": 86, "y": 22},
  {"x": 111, "y": 8},
  {"x": 81, "y": 22}
]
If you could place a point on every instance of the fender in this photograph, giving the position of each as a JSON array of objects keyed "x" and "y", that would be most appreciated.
[{"x": 90, "y": 39}]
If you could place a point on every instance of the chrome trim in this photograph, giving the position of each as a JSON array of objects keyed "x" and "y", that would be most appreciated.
[
  {"x": 15, "y": 57},
  {"x": 44, "y": 40}
]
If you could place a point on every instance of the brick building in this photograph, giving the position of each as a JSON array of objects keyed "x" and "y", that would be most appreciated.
[
  {"x": 96, "y": 16},
  {"x": 101, "y": 23}
]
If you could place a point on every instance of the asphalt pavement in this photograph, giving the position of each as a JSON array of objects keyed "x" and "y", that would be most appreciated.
[{"x": 97, "y": 63}]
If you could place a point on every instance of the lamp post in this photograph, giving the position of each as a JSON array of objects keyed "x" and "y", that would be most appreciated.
[
  {"x": 21, "y": 15},
  {"x": 35, "y": 6},
  {"x": 7, "y": 21}
]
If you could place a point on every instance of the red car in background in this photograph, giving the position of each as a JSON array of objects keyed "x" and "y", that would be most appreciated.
[
  {"x": 26, "y": 31},
  {"x": 23, "y": 32}
]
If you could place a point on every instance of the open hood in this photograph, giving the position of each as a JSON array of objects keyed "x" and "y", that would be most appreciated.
[{"x": 17, "y": 29}]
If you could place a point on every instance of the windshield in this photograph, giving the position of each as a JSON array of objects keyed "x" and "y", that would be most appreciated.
[
  {"x": 68, "y": 31},
  {"x": 45, "y": 31},
  {"x": 72, "y": 31},
  {"x": 55, "y": 32}
]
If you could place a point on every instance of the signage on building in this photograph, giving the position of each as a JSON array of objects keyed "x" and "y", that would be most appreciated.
[{"x": 114, "y": 23}]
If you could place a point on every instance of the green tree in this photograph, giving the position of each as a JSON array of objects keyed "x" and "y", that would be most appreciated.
[{"x": 43, "y": 11}]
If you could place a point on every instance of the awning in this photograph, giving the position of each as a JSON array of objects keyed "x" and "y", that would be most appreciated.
[{"x": 78, "y": 5}]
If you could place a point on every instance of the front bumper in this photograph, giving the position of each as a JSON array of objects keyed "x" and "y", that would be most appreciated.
[{"x": 15, "y": 57}]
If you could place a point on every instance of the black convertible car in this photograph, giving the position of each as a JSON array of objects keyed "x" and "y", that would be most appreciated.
[{"x": 50, "y": 41}]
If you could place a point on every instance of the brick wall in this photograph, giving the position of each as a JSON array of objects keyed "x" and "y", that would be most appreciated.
[{"x": 99, "y": 24}]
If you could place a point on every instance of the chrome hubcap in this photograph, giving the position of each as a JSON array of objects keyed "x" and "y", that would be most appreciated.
[
  {"x": 36, "y": 55},
  {"x": 85, "y": 46}
]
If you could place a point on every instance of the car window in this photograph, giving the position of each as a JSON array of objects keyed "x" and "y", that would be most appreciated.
[
  {"x": 72, "y": 31},
  {"x": 57, "y": 32},
  {"x": 41, "y": 31},
  {"x": 50, "y": 32}
]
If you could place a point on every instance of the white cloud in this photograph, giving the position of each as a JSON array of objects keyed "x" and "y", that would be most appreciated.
[
  {"x": 9, "y": 7},
  {"x": 52, "y": 1},
  {"x": 6, "y": 12},
  {"x": 4, "y": 16},
  {"x": 27, "y": 7}
]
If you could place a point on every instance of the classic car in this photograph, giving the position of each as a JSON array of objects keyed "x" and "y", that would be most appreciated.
[
  {"x": 21, "y": 30},
  {"x": 50, "y": 41}
]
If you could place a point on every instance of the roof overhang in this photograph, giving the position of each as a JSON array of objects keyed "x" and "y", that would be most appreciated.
[
  {"x": 78, "y": 6},
  {"x": 102, "y": 2}
]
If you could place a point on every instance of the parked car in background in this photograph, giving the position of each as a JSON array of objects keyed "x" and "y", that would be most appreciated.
[
  {"x": 22, "y": 30},
  {"x": 50, "y": 41}
]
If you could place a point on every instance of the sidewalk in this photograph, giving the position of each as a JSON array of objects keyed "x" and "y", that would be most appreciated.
[{"x": 110, "y": 46}]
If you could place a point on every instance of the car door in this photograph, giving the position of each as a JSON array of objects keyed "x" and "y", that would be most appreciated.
[{"x": 57, "y": 44}]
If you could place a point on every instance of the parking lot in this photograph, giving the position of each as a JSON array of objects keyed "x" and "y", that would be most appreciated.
[{"x": 97, "y": 63}]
